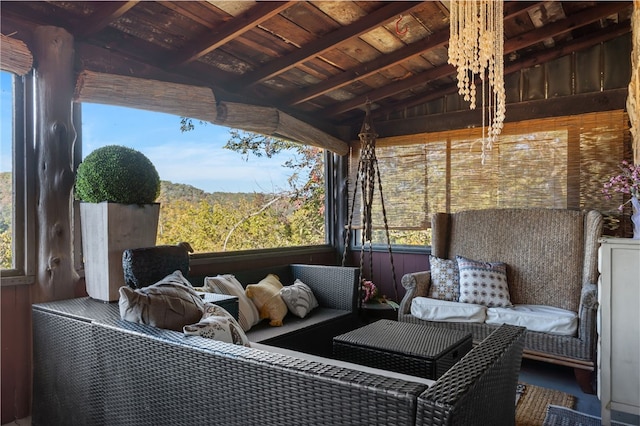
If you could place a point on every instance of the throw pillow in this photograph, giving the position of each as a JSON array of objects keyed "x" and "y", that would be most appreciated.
[
  {"x": 445, "y": 279},
  {"x": 170, "y": 303},
  {"x": 218, "y": 324},
  {"x": 483, "y": 283},
  {"x": 299, "y": 298},
  {"x": 228, "y": 284},
  {"x": 266, "y": 296}
]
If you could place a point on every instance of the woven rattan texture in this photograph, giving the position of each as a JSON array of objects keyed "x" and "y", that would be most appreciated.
[
  {"x": 154, "y": 381},
  {"x": 546, "y": 246},
  {"x": 66, "y": 376},
  {"x": 324, "y": 280},
  {"x": 406, "y": 348},
  {"x": 491, "y": 370}
]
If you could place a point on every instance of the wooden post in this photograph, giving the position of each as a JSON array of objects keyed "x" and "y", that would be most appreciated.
[{"x": 55, "y": 136}]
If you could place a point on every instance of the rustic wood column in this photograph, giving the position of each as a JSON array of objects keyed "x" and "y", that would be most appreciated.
[{"x": 55, "y": 135}]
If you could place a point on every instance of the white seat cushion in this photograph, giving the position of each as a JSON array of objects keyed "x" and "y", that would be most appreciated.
[
  {"x": 442, "y": 310},
  {"x": 547, "y": 319}
]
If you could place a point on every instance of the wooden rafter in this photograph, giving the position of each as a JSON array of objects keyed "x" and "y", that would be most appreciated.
[
  {"x": 108, "y": 12},
  {"x": 517, "y": 43},
  {"x": 229, "y": 30},
  {"x": 321, "y": 45}
]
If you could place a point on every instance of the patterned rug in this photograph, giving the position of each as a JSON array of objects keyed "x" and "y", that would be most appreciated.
[
  {"x": 532, "y": 402},
  {"x": 563, "y": 416}
]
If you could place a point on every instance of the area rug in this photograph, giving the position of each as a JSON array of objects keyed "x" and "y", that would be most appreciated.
[
  {"x": 532, "y": 402},
  {"x": 563, "y": 416}
]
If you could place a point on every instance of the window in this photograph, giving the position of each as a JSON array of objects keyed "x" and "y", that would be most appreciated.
[
  {"x": 16, "y": 261},
  {"x": 7, "y": 202},
  {"x": 258, "y": 193},
  {"x": 551, "y": 163}
]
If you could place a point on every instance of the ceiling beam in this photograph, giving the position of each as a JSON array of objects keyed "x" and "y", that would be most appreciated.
[
  {"x": 384, "y": 62},
  {"x": 524, "y": 40},
  {"x": 226, "y": 32},
  {"x": 325, "y": 43},
  {"x": 576, "y": 45},
  {"x": 105, "y": 13}
]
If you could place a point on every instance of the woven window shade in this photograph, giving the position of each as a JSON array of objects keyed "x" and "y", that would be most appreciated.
[{"x": 559, "y": 162}]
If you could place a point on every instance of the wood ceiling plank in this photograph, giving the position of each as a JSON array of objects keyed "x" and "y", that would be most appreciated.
[
  {"x": 582, "y": 18},
  {"x": 261, "y": 12},
  {"x": 601, "y": 36},
  {"x": 372, "y": 67},
  {"x": 327, "y": 42},
  {"x": 105, "y": 14}
]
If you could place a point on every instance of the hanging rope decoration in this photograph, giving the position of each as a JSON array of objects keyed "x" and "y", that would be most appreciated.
[
  {"x": 367, "y": 176},
  {"x": 476, "y": 49}
]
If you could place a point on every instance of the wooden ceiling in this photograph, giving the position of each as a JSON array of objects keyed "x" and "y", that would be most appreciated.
[{"x": 317, "y": 61}]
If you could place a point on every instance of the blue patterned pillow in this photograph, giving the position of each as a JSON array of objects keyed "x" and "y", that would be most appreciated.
[
  {"x": 299, "y": 298},
  {"x": 483, "y": 283},
  {"x": 445, "y": 279}
]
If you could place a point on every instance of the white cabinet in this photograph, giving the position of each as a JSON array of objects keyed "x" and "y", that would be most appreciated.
[{"x": 619, "y": 327}]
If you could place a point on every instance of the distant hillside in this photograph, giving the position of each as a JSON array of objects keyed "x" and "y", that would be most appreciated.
[{"x": 170, "y": 191}]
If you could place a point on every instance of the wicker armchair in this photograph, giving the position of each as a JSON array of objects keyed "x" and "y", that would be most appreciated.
[{"x": 552, "y": 258}]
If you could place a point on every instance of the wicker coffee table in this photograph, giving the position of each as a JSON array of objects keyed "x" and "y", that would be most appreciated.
[{"x": 414, "y": 349}]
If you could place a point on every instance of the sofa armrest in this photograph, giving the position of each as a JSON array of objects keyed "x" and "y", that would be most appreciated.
[
  {"x": 416, "y": 284},
  {"x": 587, "y": 315},
  {"x": 335, "y": 287},
  {"x": 479, "y": 389}
]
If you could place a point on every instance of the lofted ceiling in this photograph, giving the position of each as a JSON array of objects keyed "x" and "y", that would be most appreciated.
[{"x": 320, "y": 62}]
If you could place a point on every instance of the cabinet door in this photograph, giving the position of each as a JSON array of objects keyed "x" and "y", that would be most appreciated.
[{"x": 625, "y": 325}]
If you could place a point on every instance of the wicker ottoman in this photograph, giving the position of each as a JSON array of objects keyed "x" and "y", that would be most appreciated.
[{"x": 413, "y": 349}]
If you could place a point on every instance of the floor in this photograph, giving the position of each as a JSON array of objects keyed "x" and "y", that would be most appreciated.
[
  {"x": 562, "y": 378},
  {"x": 535, "y": 373}
]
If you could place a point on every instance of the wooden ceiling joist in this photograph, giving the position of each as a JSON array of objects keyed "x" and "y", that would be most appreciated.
[
  {"x": 524, "y": 40},
  {"x": 229, "y": 30},
  {"x": 321, "y": 45}
]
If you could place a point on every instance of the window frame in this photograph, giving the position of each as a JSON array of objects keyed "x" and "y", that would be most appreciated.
[{"x": 23, "y": 185}]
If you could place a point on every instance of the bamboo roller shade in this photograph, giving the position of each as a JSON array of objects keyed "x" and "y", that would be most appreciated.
[
  {"x": 199, "y": 103},
  {"x": 557, "y": 162}
]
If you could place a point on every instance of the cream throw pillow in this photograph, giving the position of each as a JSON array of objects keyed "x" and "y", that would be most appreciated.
[{"x": 248, "y": 315}]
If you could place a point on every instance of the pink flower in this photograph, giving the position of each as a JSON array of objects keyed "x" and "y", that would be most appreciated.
[{"x": 627, "y": 182}]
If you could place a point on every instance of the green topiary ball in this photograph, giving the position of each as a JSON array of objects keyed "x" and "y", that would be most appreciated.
[{"x": 119, "y": 175}]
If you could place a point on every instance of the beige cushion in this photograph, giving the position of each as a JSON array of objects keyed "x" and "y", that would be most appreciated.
[
  {"x": 217, "y": 324},
  {"x": 266, "y": 296},
  {"x": 171, "y": 303},
  {"x": 248, "y": 315},
  {"x": 547, "y": 319},
  {"x": 442, "y": 310}
]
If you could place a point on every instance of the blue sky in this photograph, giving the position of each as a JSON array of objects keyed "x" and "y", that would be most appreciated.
[{"x": 195, "y": 158}]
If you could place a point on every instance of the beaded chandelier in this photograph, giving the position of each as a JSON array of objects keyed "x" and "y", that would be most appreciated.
[{"x": 476, "y": 49}]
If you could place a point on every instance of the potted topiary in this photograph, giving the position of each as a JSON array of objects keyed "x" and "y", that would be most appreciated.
[{"x": 117, "y": 187}]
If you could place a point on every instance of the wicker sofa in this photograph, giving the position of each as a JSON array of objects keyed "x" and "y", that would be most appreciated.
[
  {"x": 335, "y": 288},
  {"x": 92, "y": 368},
  {"x": 552, "y": 260}
]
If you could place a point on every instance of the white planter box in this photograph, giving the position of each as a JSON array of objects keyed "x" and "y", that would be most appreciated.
[{"x": 107, "y": 230}]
